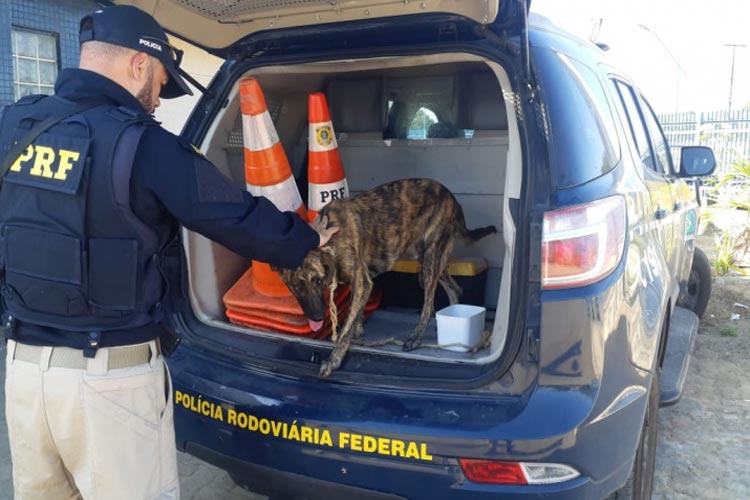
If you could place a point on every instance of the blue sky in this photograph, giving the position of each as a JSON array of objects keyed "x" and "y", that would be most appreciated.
[{"x": 693, "y": 31}]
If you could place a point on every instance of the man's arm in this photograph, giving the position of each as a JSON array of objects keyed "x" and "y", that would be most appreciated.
[{"x": 203, "y": 200}]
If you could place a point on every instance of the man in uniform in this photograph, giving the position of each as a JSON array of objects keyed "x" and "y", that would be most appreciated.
[{"x": 89, "y": 206}]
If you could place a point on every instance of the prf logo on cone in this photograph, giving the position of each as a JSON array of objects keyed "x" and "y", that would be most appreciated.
[
  {"x": 324, "y": 135},
  {"x": 325, "y": 173}
]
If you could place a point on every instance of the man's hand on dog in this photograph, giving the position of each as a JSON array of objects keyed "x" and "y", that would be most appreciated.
[{"x": 321, "y": 227}]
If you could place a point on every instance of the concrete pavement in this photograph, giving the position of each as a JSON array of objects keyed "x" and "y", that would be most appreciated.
[{"x": 6, "y": 484}]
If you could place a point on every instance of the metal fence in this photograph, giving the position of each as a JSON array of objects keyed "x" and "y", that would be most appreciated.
[{"x": 728, "y": 134}]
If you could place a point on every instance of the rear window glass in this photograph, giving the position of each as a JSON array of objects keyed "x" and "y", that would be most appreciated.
[
  {"x": 422, "y": 108},
  {"x": 582, "y": 129}
]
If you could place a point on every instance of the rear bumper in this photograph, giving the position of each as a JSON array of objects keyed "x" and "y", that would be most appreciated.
[
  {"x": 268, "y": 481},
  {"x": 244, "y": 424}
]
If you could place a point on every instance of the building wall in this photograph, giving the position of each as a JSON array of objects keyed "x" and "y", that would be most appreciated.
[
  {"x": 62, "y": 18},
  {"x": 43, "y": 15},
  {"x": 200, "y": 65}
]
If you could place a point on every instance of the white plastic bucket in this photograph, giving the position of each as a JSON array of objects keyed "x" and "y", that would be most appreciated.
[{"x": 460, "y": 324}]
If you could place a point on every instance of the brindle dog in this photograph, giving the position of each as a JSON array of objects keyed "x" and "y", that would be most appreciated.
[{"x": 376, "y": 228}]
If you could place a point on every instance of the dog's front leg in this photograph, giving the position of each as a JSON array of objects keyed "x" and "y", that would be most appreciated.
[{"x": 361, "y": 288}]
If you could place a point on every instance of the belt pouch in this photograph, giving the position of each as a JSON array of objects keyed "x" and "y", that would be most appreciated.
[
  {"x": 113, "y": 273},
  {"x": 44, "y": 270}
]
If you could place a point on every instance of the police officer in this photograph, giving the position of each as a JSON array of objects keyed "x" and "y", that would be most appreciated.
[{"x": 91, "y": 201}]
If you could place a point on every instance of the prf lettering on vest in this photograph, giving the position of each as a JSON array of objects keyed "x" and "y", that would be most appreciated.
[
  {"x": 48, "y": 162},
  {"x": 326, "y": 196}
]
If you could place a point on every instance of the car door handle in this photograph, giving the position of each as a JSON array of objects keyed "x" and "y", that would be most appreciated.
[
  {"x": 660, "y": 214},
  {"x": 677, "y": 206}
]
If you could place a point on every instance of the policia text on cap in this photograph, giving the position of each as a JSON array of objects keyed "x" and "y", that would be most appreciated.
[{"x": 93, "y": 190}]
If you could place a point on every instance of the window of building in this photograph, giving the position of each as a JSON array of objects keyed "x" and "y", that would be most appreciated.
[{"x": 35, "y": 62}]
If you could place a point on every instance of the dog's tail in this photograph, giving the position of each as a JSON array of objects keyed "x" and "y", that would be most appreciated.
[
  {"x": 471, "y": 235},
  {"x": 478, "y": 233}
]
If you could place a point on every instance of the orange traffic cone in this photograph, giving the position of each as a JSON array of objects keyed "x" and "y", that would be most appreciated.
[
  {"x": 267, "y": 173},
  {"x": 325, "y": 172},
  {"x": 260, "y": 299},
  {"x": 299, "y": 326}
]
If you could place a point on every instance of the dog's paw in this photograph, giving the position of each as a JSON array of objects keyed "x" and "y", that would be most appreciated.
[{"x": 411, "y": 344}]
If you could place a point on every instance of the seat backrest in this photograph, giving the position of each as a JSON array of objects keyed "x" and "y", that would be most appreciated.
[
  {"x": 358, "y": 106},
  {"x": 481, "y": 105}
]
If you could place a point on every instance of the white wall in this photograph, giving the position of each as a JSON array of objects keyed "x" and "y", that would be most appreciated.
[{"x": 200, "y": 65}]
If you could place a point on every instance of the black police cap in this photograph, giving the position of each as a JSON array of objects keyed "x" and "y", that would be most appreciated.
[{"x": 133, "y": 28}]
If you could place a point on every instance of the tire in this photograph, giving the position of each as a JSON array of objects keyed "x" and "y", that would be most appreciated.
[
  {"x": 698, "y": 290},
  {"x": 640, "y": 484}
]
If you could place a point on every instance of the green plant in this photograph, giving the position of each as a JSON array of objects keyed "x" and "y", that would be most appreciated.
[
  {"x": 728, "y": 331},
  {"x": 731, "y": 212},
  {"x": 733, "y": 187},
  {"x": 725, "y": 260}
]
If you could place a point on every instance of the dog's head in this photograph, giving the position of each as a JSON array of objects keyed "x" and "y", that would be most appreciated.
[{"x": 308, "y": 283}]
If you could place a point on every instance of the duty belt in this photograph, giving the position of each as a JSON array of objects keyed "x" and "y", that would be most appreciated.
[{"x": 66, "y": 357}]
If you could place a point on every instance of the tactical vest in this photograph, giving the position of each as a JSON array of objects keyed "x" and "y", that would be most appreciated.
[{"x": 73, "y": 255}]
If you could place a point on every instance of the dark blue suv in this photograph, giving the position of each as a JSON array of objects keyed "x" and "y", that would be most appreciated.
[{"x": 535, "y": 133}]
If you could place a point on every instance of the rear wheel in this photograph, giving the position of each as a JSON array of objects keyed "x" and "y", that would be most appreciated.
[
  {"x": 698, "y": 290},
  {"x": 640, "y": 484}
]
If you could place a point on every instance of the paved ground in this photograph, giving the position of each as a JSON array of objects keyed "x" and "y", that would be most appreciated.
[
  {"x": 703, "y": 440},
  {"x": 6, "y": 486},
  {"x": 200, "y": 481},
  {"x": 704, "y": 444}
]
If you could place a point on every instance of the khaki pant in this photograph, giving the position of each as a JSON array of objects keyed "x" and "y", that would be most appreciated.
[{"x": 91, "y": 433}]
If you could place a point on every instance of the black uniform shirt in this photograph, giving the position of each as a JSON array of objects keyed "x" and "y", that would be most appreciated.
[
  {"x": 171, "y": 183},
  {"x": 171, "y": 180}
]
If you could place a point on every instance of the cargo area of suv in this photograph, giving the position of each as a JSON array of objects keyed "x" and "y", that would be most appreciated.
[{"x": 448, "y": 117}]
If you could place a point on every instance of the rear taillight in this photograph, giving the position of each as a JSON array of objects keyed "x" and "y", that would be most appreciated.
[
  {"x": 495, "y": 472},
  {"x": 582, "y": 244},
  {"x": 492, "y": 472}
]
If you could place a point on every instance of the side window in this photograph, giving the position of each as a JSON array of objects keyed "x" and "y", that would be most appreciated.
[
  {"x": 421, "y": 126},
  {"x": 661, "y": 147},
  {"x": 637, "y": 126}
]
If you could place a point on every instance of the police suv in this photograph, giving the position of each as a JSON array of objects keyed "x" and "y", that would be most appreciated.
[{"x": 536, "y": 133}]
